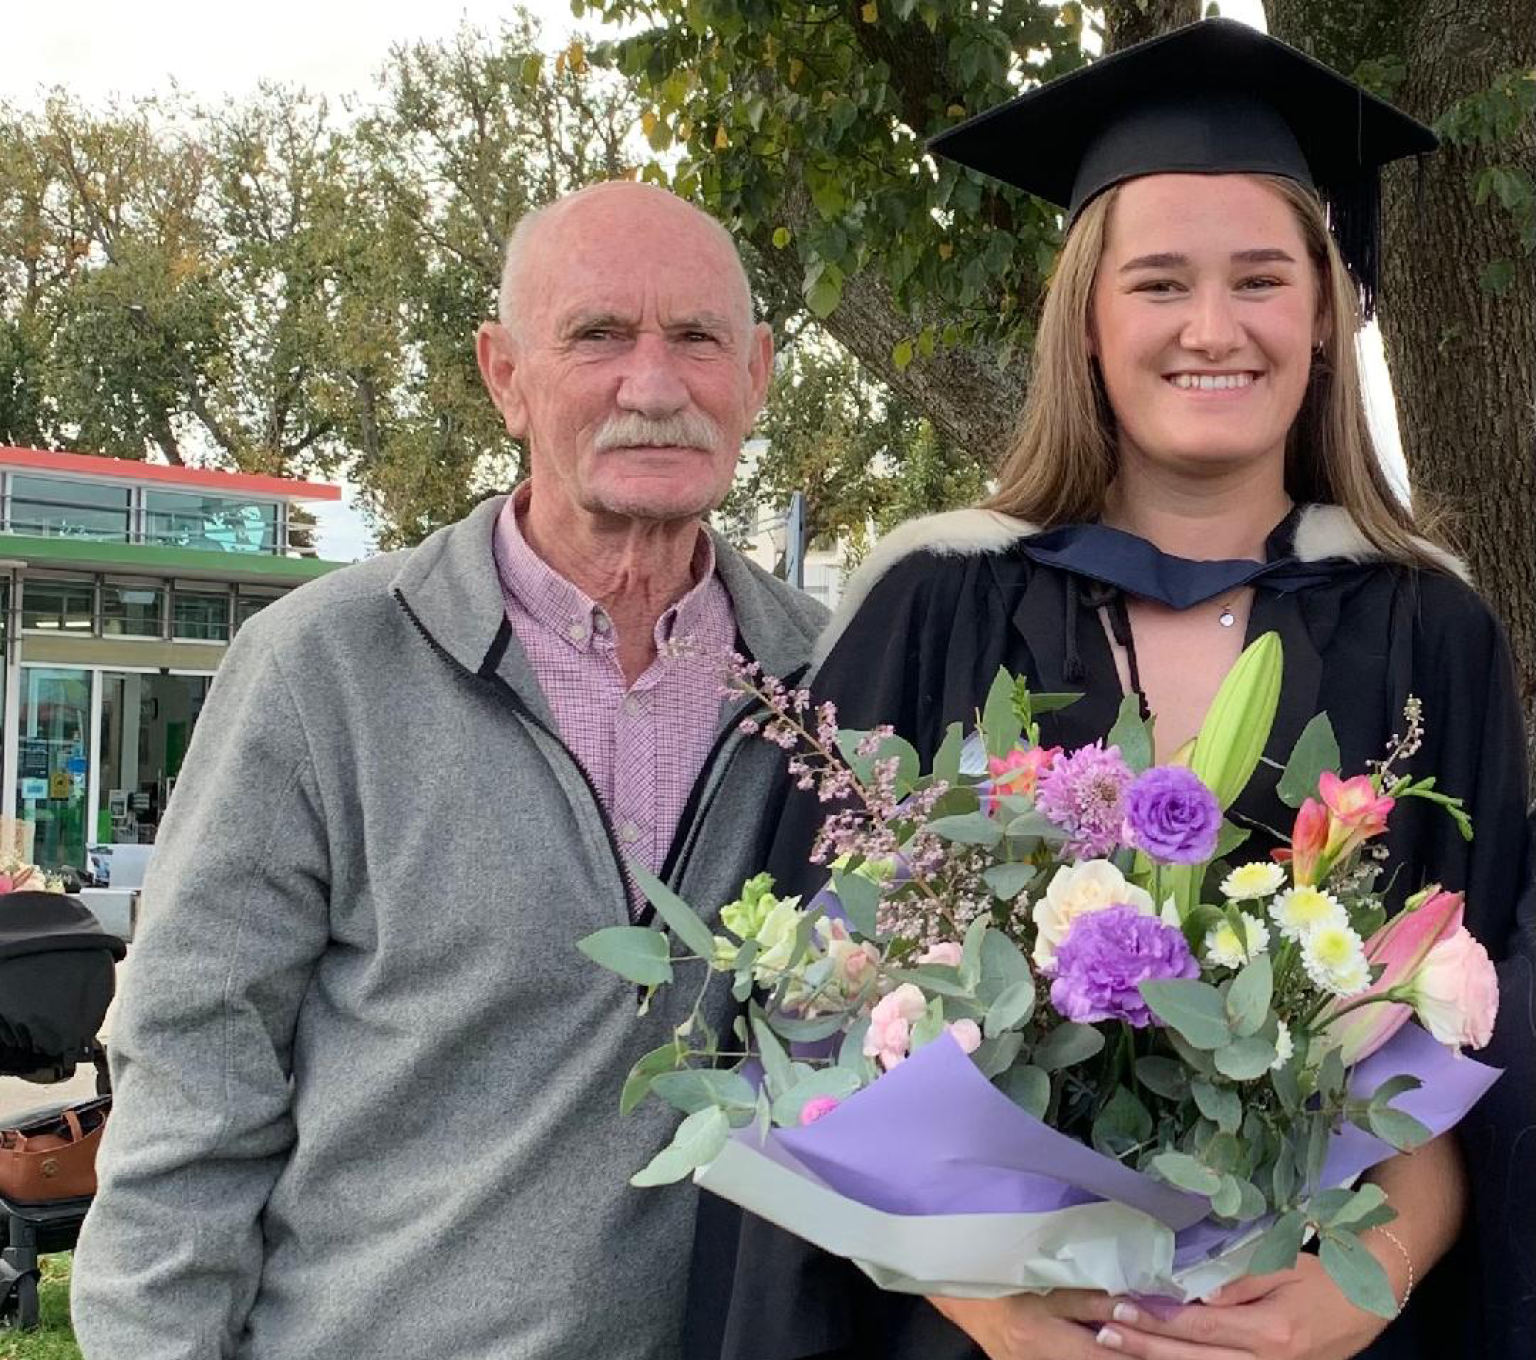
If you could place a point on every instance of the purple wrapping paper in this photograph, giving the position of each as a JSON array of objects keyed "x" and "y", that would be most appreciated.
[{"x": 935, "y": 1137}]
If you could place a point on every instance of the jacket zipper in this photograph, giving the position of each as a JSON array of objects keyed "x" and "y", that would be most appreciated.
[{"x": 510, "y": 696}]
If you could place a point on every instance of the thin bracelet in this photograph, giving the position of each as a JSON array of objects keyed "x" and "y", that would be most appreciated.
[{"x": 1393, "y": 1238}]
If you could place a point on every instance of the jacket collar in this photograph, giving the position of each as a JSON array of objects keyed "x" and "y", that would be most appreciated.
[{"x": 450, "y": 588}]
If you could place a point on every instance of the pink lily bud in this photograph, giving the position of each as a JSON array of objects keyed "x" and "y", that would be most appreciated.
[
  {"x": 1309, "y": 836},
  {"x": 1356, "y": 812},
  {"x": 1402, "y": 945}
]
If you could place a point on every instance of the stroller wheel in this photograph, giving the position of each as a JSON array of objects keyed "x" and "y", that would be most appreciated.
[{"x": 20, "y": 1308}]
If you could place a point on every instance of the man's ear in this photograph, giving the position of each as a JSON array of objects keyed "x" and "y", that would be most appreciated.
[
  {"x": 759, "y": 367},
  {"x": 500, "y": 365}
]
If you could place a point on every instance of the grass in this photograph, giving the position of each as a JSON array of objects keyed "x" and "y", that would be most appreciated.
[{"x": 54, "y": 1340}]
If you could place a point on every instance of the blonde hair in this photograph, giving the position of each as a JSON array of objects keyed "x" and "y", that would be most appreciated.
[{"x": 1062, "y": 457}]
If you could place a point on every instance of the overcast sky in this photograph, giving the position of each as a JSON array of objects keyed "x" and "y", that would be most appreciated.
[{"x": 98, "y": 49}]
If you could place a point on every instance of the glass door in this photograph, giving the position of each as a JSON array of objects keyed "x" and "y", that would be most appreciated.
[
  {"x": 53, "y": 762},
  {"x": 146, "y": 723}
]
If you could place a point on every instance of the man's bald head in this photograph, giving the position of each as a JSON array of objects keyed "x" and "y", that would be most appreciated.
[{"x": 623, "y": 206}]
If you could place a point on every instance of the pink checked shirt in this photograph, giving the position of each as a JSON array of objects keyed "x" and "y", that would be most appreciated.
[{"x": 643, "y": 744}]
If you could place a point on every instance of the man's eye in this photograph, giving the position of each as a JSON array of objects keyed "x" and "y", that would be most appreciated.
[{"x": 699, "y": 337}]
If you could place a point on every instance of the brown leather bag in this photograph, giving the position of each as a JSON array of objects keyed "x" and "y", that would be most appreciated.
[{"x": 54, "y": 1156}]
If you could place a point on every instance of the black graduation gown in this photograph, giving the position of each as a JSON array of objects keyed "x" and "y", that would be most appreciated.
[{"x": 921, "y": 651}]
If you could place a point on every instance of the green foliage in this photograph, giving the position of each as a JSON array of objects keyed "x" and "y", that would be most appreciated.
[
  {"x": 802, "y": 124},
  {"x": 1497, "y": 122},
  {"x": 862, "y": 459}
]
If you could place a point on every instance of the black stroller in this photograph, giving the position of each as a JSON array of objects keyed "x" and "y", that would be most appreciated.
[{"x": 57, "y": 978}]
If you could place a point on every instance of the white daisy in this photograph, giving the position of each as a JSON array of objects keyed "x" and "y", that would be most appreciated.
[
  {"x": 1258, "y": 879},
  {"x": 1300, "y": 911},
  {"x": 1334, "y": 957},
  {"x": 1224, "y": 949},
  {"x": 1284, "y": 1047}
]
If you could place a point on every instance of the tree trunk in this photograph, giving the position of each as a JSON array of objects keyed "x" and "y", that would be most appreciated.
[{"x": 1463, "y": 359}]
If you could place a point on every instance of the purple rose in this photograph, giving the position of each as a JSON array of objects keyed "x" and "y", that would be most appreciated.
[
  {"x": 1172, "y": 816},
  {"x": 1106, "y": 957}
]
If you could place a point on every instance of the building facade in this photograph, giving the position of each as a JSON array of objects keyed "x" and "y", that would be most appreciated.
[{"x": 121, "y": 587}]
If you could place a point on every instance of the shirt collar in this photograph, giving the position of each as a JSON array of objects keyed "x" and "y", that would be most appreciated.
[{"x": 563, "y": 607}]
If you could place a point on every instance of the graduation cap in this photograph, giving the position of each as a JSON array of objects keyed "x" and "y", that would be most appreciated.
[{"x": 1216, "y": 97}]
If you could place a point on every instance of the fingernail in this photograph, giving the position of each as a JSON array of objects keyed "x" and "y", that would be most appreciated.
[
  {"x": 1124, "y": 1312},
  {"x": 1108, "y": 1336}
]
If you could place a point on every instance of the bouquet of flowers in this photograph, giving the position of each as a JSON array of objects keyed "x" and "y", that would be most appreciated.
[{"x": 1044, "y": 1028}]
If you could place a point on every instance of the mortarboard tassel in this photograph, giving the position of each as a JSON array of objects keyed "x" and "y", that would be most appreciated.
[{"x": 1354, "y": 214}]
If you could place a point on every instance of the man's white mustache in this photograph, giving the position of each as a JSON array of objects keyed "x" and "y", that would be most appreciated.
[{"x": 687, "y": 430}]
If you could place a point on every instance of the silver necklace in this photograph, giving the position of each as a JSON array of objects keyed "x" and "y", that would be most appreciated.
[{"x": 1226, "y": 618}]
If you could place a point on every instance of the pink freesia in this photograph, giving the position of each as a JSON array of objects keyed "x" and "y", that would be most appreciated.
[
  {"x": 1018, "y": 772},
  {"x": 1456, "y": 992},
  {"x": 967, "y": 1034},
  {"x": 890, "y": 1025},
  {"x": 817, "y": 1107},
  {"x": 1309, "y": 836},
  {"x": 1401, "y": 945},
  {"x": 947, "y": 953},
  {"x": 1356, "y": 812}
]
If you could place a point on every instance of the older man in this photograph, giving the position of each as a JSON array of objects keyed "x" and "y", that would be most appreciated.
[{"x": 367, "y": 1087}]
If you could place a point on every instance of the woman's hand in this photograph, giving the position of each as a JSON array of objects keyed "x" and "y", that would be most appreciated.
[
  {"x": 1297, "y": 1314},
  {"x": 1055, "y": 1326}
]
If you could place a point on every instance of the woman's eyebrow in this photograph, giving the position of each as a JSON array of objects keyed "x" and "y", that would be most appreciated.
[{"x": 1174, "y": 260}]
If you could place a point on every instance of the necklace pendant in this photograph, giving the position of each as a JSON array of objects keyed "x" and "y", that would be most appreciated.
[{"x": 1226, "y": 619}]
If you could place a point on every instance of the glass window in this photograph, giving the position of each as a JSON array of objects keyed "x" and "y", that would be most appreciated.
[
  {"x": 247, "y": 606},
  {"x": 129, "y": 610},
  {"x": 183, "y": 519},
  {"x": 58, "y": 606},
  {"x": 200, "y": 615},
  {"x": 54, "y": 507}
]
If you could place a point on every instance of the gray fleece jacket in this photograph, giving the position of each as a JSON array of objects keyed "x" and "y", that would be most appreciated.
[{"x": 367, "y": 1088}]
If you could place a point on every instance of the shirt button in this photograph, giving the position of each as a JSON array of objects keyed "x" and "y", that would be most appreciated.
[
  {"x": 577, "y": 633},
  {"x": 600, "y": 623},
  {"x": 629, "y": 833},
  {"x": 632, "y": 706}
]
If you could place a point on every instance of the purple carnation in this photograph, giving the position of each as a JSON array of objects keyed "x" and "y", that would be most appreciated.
[
  {"x": 1084, "y": 794},
  {"x": 1106, "y": 957},
  {"x": 1172, "y": 816}
]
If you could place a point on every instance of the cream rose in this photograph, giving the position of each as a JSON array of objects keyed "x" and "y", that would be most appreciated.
[{"x": 1075, "y": 890}]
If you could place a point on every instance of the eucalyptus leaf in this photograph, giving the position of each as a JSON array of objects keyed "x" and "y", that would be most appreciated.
[
  {"x": 971, "y": 828},
  {"x": 908, "y": 767},
  {"x": 1278, "y": 1248},
  {"x": 1067, "y": 1045},
  {"x": 1049, "y": 703},
  {"x": 638, "y": 1083},
  {"x": 837, "y": 1082},
  {"x": 1316, "y": 750},
  {"x": 1194, "y": 1009},
  {"x": 1183, "y": 1172},
  {"x": 771, "y": 1053},
  {"x": 860, "y": 900},
  {"x": 1034, "y": 823},
  {"x": 946, "y": 760},
  {"x": 1002, "y": 964},
  {"x": 1012, "y": 1008},
  {"x": 698, "y": 1141},
  {"x": 1352, "y": 1267},
  {"x": 1132, "y": 734},
  {"x": 1007, "y": 881},
  {"x": 799, "y": 1031},
  {"x": 1220, "y": 1104},
  {"x": 934, "y": 977},
  {"x": 681, "y": 919},
  {"x": 1163, "y": 1076},
  {"x": 1228, "y": 1199},
  {"x": 1393, "y": 1087},
  {"x": 851, "y": 1052},
  {"x": 1245, "y": 1059},
  {"x": 1122, "y": 1125},
  {"x": 1001, "y": 725},
  {"x": 970, "y": 952},
  {"x": 697, "y": 1087},
  {"x": 1399, "y": 1128},
  {"x": 929, "y": 1025},
  {"x": 634, "y": 952},
  {"x": 1028, "y": 1087},
  {"x": 1249, "y": 996},
  {"x": 996, "y": 1056}
]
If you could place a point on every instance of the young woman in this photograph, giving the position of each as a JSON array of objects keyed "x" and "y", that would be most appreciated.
[{"x": 1194, "y": 469}]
